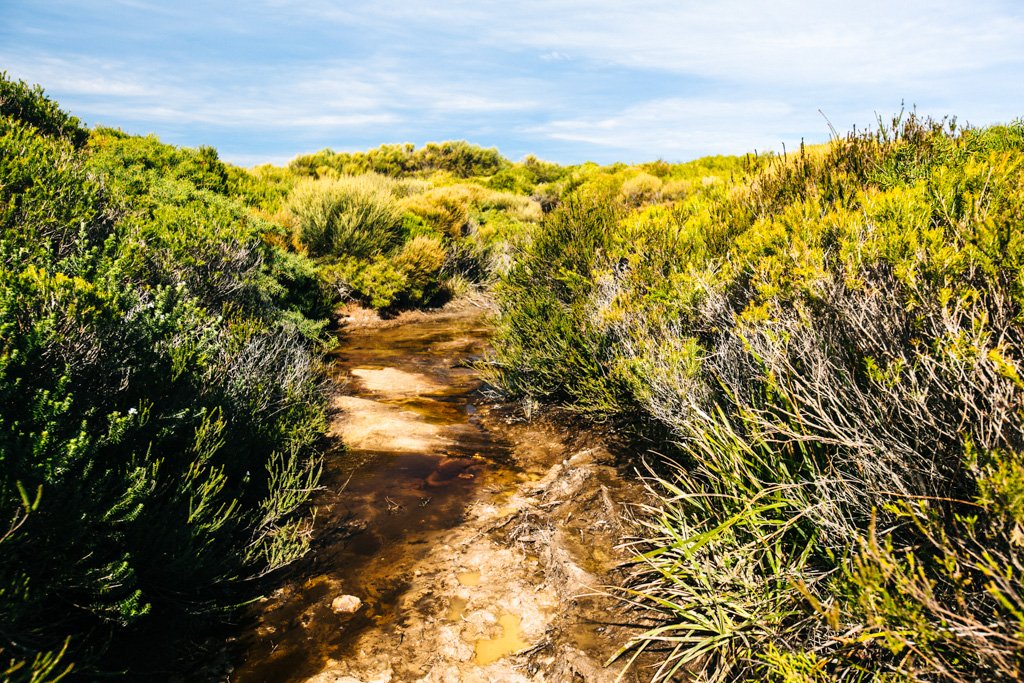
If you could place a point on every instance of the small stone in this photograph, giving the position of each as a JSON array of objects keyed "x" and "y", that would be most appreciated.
[
  {"x": 582, "y": 458},
  {"x": 346, "y": 604}
]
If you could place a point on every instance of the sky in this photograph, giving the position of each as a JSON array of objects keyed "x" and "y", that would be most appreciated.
[{"x": 565, "y": 80}]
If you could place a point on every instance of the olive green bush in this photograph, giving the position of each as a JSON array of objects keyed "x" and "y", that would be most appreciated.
[
  {"x": 354, "y": 216},
  {"x": 27, "y": 103},
  {"x": 458, "y": 158}
]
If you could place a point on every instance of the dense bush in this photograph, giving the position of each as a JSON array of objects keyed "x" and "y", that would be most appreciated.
[
  {"x": 458, "y": 158},
  {"x": 160, "y": 410},
  {"x": 263, "y": 188},
  {"x": 409, "y": 277},
  {"x": 394, "y": 243},
  {"x": 21, "y": 102},
  {"x": 351, "y": 215},
  {"x": 833, "y": 342}
]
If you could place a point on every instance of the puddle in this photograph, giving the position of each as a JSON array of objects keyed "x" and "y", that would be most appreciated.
[
  {"x": 469, "y": 579},
  {"x": 510, "y": 641},
  {"x": 456, "y": 609},
  {"x": 392, "y": 381}
]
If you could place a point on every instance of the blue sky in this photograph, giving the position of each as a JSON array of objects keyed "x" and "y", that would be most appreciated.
[{"x": 567, "y": 80}]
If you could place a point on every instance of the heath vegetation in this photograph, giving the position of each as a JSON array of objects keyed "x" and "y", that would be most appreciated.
[
  {"x": 827, "y": 347},
  {"x": 161, "y": 401},
  {"x": 821, "y": 350}
]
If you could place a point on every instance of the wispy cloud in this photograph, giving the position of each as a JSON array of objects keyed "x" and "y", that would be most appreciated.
[
  {"x": 327, "y": 95},
  {"x": 818, "y": 42},
  {"x": 824, "y": 42},
  {"x": 566, "y": 79},
  {"x": 681, "y": 128}
]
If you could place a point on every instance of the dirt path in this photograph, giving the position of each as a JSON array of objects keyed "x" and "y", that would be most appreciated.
[{"x": 476, "y": 541}]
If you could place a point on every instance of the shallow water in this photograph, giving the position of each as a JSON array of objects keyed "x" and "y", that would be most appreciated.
[
  {"x": 510, "y": 640},
  {"x": 381, "y": 509}
]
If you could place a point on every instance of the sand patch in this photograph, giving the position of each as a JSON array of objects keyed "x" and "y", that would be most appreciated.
[
  {"x": 372, "y": 426},
  {"x": 395, "y": 382}
]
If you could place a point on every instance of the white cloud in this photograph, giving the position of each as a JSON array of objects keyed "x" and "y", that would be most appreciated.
[
  {"x": 335, "y": 94},
  {"x": 820, "y": 42},
  {"x": 809, "y": 42},
  {"x": 83, "y": 76},
  {"x": 682, "y": 128}
]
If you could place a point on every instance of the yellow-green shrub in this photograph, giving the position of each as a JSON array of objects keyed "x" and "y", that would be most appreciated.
[
  {"x": 348, "y": 215},
  {"x": 642, "y": 188},
  {"x": 833, "y": 348},
  {"x": 452, "y": 209},
  {"x": 421, "y": 260}
]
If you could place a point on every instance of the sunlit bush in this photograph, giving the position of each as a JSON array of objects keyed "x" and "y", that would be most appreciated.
[
  {"x": 642, "y": 188},
  {"x": 458, "y": 158},
  {"x": 26, "y": 103},
  {"x": 421, "y": 260},
  {"x": 833, "y": 347},
  {"x": 160, "y": 407},
  {"x": 355, "y": 216},
  {"x": 454, "y": 210}
]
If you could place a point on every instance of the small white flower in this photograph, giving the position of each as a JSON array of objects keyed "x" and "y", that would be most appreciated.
[{"x": 133, "y": 411}]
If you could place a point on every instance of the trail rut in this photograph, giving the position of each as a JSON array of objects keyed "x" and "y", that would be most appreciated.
[{"x": 478, "y": 542}]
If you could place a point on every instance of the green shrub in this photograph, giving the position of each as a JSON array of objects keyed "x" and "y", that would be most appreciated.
[
  {"x": 28, "y": 104},
  {"x": 421, "y": 260},
  {"x": 455, "y": 210},
  {"x": 458, "y": 158},
  {"x": 642, "y": 188},
  {"x": 376, "y": 282},
  {"x": 351, "y": 216},
  {"x": 264, "y": 187},
  {"x": 133, "y": 164},
  {"x": 149, "y": 380},
  {"x": 548, "y": 347},
  {"x": 409, "y": 277},
  {"x": 516, "y": 179},
  {"x": 832, "y": 345}
]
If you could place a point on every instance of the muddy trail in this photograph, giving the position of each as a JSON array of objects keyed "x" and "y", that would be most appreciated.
[{"x": 476, "y": 542}]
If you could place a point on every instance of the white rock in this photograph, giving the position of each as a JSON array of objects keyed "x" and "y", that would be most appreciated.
[{"x": 346, "y": 604}]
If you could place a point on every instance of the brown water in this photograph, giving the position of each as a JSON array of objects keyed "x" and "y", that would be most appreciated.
[
  {"x": 421, "y": 453},
  {"x": 478, "y": 541}
]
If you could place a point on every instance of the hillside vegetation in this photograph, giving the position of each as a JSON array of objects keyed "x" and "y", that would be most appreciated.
[
  {"x": 821, "y": 351},
  {"x": 161, "y": 397},
  {"x": 828, "y": 348}
]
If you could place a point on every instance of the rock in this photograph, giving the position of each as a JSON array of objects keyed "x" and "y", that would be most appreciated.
[
  {"x": 346, "y": 604},
  {"x": 582, "y": 458}
]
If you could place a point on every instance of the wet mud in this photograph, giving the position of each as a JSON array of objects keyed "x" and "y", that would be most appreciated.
[{"x": 478, "y": 542}]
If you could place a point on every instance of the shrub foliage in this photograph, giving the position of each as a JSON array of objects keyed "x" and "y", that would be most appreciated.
[
  {"x": 832, "y": 343},
  {"x": 160, "y": 401}
]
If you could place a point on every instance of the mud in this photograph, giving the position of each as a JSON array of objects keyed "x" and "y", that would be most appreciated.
[{"x": 478, "y": 542}]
